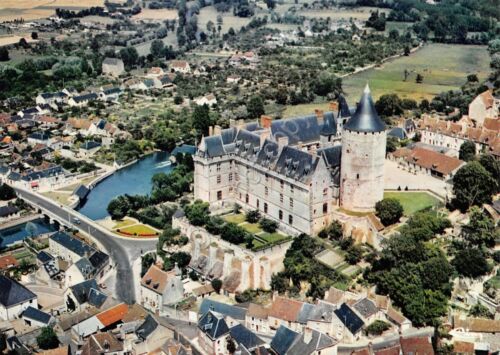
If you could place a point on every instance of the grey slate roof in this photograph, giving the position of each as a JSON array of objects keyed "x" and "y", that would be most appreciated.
[
  {"x": 75, "y": 245},
  {"x": 283, "y": 340},
  {"x": 85, "y": 267},
  {"x": 365, "y": 307},
  {"x": 81, "y": 192},
  {"x": 39, "y": 136},
  {"x": 317, "y": 342},
  {"x": 365, "y": 119},
  {"x": 44, "y": 257},
  {"x": 99, "y": 259},
  {"x": 329, "y": 126},
  {"x": 299, "y": 129},
  {"x": 49, "y": 172},
  {"x": 397, "y": 132},
  {"x": 350, "y": 319},
  {"x": 8, "y": 210},
  {"x": 12, "y": 292},
  {"x": 344, "y": 110},
  {"x": 85, "y": 97},
  {"x": 82, "y": 290},
  {"x": 213, "y": 325},
  {"x": 36, "y": 315},
  {"x": 234, "y": 312},
  {"x": 296, "y": 164},
  {"x": 90, "y": 145},
  {"x": 146, "y": 328},
  {"x": 96, "y": 298},
  {"x": 246, "y": 337}
]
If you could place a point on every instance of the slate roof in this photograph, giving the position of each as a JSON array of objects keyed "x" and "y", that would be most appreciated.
[
  {"x": 96, "y": 298},
  {"x": 90, "y": 145},
  {"x": 299, "y": 129},
  {"x": 296, "y": 164},
  {"x": 81, "y": 192},
  {"x": 347, "y": 316},
  {"x": 85, "y": 97},
  {"x": 397, "y": 132},
  {"x": 85, "y": 267},
  {"x": 36, "y": 315},
  {"x": 365, "y": 307},
  {"x": 244, "y": 336},
  {"x": 98, "y": 259},
  {"x": 283, "y": 340},
  {"x": 8, "y": 210},
  {"x": 39, "y": 136},
  {"x": 329, "y": 126},
  {"x": 111, "y": 91},
  {"x": 75, "y": 245},
  {"x": 365, "y": 119},
  {"x": 49, "y": 172},
  {"x": 234, "y": 312},
  {"x": 81, "y": 291},
  {"x": 344, "y": 110},
  {"x": 12, "y": 292},
  {"x": 317, "y": 342},
  {"x": 213, "y": 325}
]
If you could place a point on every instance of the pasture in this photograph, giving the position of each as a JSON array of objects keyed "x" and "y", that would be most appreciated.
[
  {"x": 35, "y": 9},
  {"x": 444, "y": 67}
]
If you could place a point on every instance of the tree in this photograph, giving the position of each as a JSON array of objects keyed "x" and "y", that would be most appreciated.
[
  {"x": 389, "y": 105},
  {"x": 419, "y": 79},
  {"x": 268, "y": 225},
  {"x": 333, "y": 232},
  {"x": 157, "y": 48},
  {"x": 201, "y": 118},
  {"x": 252, "y": 216},
  {"x": 271, "y": 4},
  {"x": 181, "y": 258},
  {"x": 217, "y": 285},
  {"x": 118, "y": 207},
  {"x": 353, "y": 254},
  {"x": 391, "y": 145},
  {"x": 327, "y": 83},
  {"x": 129, "y": 56},
  {"x": 4, "y": 54},
  {"x": 478, "y": 310},
  {"x": 47, "y": 339},
  {"x": 255, "y": 107},
  {"x": 467, "y": 151},
  {"x": 480, "y": 230},
  {"x": 34, "y": 35},
  {"x": 70, "y": 304},
  {"x": 279, "y": 282},
  {"x": 6, "y": 192},
  {"x": 389, "y": 210},
  {"x": 197, "y": 213},
  {"x": 281, "y": 96},
  {"x": 473, "y": 185},
  {"x": 491, "y": 165},
  {"x": 471, "y": 262},
  {"x": 377, "y": 327}
]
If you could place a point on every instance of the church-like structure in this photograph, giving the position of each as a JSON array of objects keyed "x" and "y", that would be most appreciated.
[{"x": 296, "y": 171}]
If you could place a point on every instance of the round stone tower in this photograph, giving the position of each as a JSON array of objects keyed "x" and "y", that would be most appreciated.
[{"x": 363, "y": 156}]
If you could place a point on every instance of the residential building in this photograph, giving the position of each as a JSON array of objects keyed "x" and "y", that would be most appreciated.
[
  {"x": 8, "y": 212},
  {"x": 310, "y": 342},
  {"x": 14, "y": 298},
  {"x": 484, "y": 105},
  {"x": 113, "y": 67},
  {"x": 180, "y": 66},
  {"x": 68, "y": 248},
  {"x": 102, "y": 343},
  {"x": 37, "y": 318},
  {"x": 82, "y": 100},
  {"x": 213, "y": 333},
  {"x": 160, "y": 287},
  {"x": 208, "y": 99}
]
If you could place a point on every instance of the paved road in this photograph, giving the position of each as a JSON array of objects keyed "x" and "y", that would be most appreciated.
[{"x": 122, "y": 251}]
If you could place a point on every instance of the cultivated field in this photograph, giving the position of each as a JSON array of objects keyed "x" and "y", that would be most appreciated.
[
  {"x": 361, "y": 13},
  {"x": 229, "y": 20},
  {"x": 34, "y": 9},
  {"x": 160, "y": 15},
  {"x": 444, "y": 67}
]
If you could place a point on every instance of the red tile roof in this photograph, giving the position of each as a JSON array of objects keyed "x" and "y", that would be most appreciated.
[
  {"x": 463, "y": 347},
  {"x": 8, "y": 261},
  {"x": 286, "y": 309},
  {"x": 430, "y": 159},
  {"x": 417, "y": 346},
  {"x": 112, "y": 315}
]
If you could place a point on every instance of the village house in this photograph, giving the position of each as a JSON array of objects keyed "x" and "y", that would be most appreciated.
[
  {"x": 113, "y": 67},
  {"x": 310, "y": 342},
  {"x": 233, "y": 79},
  {"x": 180, "y": 66},
  {"x": 110, "y": 94},
  {"x": 150, "y": 335},
  {"x": 69, "y": 248},
  {"x": 102, "y": 343},
  {"x": 485, "y": 105},
  {"x": 155, "y": 72},
  {"x": 82, "y": 100},
  {"x": 88, "y": 149},
  {"x": 14, "y": 298},
  {"x": 209, "y": 100},
  {"x": 34, "y": 317},
  {"x": 38, "y": 138},
  {"x": 51, "y": 98},
  {"x": 256, "y": 318},
  {"x": 7, "y": 262},
  {"x": 7, "y": 213},
  {"x": 398, "y": 319},
  {"x": 106, "y": 319},
  {"x": 213, "y": 333},
  {"x": 160, "y": 288}
]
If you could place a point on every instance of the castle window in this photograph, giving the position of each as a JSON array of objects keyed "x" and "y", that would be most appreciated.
[
  {"x": 280, "y": 215},
  {"x": 282, "y": 183},
  {"x": 267, "y": 177},
  {"x": 357, "y": 176},
  {"x": 325, "y": 208},
  {"x": 230, "y": 177},
  {"x": 281, "y": 198},
  {"x": 291, "y": 202},
  {"x": 290, "y": 219},
  {"x": 266, "y": 191},
  {"x": 247, "y": 198},
  {"x": 291, "y": 189},
  {"x": 218, "y": 179},
  {"x": 218, "y": 166},
  {"x": 219, "y": 195},
  {"x": 265, "y": 207},
  {"x": 258, "y": 203},
  {"x": 236, "y": 176},
  {"x": 325, "y": 191}
]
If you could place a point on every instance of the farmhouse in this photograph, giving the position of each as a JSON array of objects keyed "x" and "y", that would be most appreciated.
[
  {"x": 485, "y": 105},
  {"x": 180, "y": 66}
]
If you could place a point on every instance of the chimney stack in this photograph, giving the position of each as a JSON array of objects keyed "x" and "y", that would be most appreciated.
[
  {"x": 265, "y": 121},
  {"x": 319, "y": 115},
  {"x": 210, "y": 131},
  {"x": 241, "y": 123},
  {"x": 217, "y": 130},
  {"x": 334, "y": 106},
  {"x": 282, "y": 141},
  {"x": 307, "y": 335}
]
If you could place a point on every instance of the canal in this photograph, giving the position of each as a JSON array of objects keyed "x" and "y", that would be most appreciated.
[{"x": 134, "y": 179}]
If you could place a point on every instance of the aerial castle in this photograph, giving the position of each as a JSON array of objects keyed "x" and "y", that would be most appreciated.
[{"x": 296, "y": 171}]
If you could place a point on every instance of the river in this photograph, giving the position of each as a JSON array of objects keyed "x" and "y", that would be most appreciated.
[{"x": 134, "y": 179}]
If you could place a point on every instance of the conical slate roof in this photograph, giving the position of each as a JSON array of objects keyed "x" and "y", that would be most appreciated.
[{"x": 365, "y": 119}]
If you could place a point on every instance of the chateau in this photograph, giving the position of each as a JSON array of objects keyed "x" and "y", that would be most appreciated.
[{"x": 296, "y": 171}]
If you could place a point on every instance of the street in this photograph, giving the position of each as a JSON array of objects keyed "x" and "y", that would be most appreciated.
[{"x": 122, "y": 251}]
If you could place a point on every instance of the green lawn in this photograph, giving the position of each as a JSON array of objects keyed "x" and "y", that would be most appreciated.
[
  {"x": 272, "y": 237},
  {"x": 253, "y": 228},
  {"x": 443, "y": 66},
  {"x": 413, "y": 201},
  {"x": 124, "y": 223},
  {"x": 234, "y": 218}
]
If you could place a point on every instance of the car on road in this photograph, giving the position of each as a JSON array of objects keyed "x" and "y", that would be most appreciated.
[{"x": 76, "y": 220}]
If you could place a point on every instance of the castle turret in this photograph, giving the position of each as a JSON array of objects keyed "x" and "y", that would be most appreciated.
[{"x": 363, "y": 156}]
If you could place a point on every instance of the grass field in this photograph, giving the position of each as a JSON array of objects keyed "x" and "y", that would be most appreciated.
[
  {"x": 124, "y": 223},
  {"x": 229, "y": 20},
  {"x": 235, "y": 218},
  {"x": 158, "y": 14},
  {"x": 361, "y": 13},
  {"x": 444, "y": 67},
  {"x": 139, "y": 229},
  {"x": 413, "y": 201},
  {"x": 35, "y": 9}
]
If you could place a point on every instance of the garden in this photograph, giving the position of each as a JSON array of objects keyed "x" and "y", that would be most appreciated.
[{"x": 413, "y": 201}]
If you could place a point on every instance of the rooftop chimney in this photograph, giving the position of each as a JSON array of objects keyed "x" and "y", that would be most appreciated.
[
  {"x": 217, "y": 130},
  {"x": 319, "y": 115},
  {"x": 307, "y": 335},
  {"x": 210, "y": 131},
  {"x": 282, "y": 141},
  {"x": 265, "y": 121},
  {"x": 241, "y": 123},
  {"x": 334, "y": 106}
]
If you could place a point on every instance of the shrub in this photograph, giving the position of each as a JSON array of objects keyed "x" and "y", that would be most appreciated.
[
  {"x": 389, "y": 210},
  {"x": 268, "y": 225},
  {"x": 252, "y": 216},
  {"x": 377, "y": 327},
  {"x": 217, "y": 285}
]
